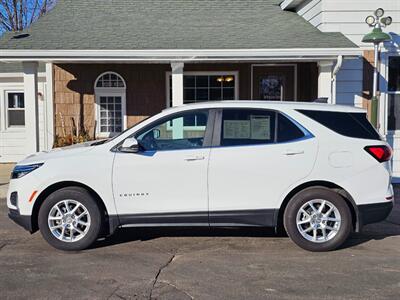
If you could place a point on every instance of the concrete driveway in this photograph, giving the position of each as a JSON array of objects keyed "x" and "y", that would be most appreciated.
[{"x": 201, "y": 264}]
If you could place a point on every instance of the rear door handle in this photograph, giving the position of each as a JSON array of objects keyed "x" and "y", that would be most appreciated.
[
  {"x": 194, "y": 158},
  {"x": 293, "y": 152}
]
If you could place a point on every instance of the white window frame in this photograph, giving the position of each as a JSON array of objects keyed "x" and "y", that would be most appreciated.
[
  {"x": 109, "y": 92},
  {"x": 6, "y": 109},
  {"x": 201, "y": 73},
  {"x": 204, "y": 73},
  {"x": 385, "y": 94}
]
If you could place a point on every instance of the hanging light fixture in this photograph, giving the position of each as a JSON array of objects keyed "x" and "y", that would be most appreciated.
[{"x": 228, "y": 78}]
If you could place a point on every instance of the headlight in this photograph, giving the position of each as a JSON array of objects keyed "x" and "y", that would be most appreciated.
[{"x": 20, "y": 171}]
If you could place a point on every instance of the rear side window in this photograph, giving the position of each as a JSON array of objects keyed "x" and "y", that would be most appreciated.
[
  {"x": 287, "y": 130},
  {"x": 353, "y": 125},
  {"x": 256, "y": 126},
  {"x": 247, "y": 127}
]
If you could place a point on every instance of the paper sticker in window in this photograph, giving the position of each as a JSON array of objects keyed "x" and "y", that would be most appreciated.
[
  {"x": 260, "y": 127},
  {"x": 234, "y": 129}
]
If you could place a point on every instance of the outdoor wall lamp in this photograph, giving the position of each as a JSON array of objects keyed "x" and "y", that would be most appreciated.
[{"x": 377, "y": 36}]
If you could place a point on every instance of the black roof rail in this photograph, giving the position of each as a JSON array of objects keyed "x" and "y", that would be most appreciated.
[{"x": 321, "y": 100}]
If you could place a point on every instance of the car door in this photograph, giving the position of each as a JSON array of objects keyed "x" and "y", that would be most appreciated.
[
  {"x": 262, "y": 153},
  {"x": 166, "y": 181}
]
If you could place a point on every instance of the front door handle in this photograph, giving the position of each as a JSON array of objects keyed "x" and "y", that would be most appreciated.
[
  {"x": 293, "y": 152},
  {"x": 194, "y": 158}
]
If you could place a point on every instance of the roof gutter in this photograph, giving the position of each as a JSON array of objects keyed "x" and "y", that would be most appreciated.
[
  {"x": 182, "y": 55},
  {"x": 291, "y": 4}
]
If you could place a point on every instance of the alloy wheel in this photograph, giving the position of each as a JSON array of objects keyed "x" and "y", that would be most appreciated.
[
  {"x": 69, "y": 220},
  {"x": 318, "y": 220}
]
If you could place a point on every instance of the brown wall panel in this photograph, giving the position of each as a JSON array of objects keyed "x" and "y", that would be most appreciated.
[
  {"x": 74, "y": 92},
  {"x": 146, "y": 89},
  {"x": 307, "y": 81}
]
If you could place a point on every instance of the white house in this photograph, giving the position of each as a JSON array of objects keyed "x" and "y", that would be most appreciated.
[{"x": 138, "y": 57}]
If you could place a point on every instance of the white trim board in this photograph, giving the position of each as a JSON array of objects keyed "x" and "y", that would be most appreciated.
[
  {"x": 174, "y": 55},
  {"x": 19, "y": 75}
]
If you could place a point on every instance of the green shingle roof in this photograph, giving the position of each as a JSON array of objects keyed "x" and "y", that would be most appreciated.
[
  {"x": 172, "y": 24},
  {"x": 17, "y": 67}
]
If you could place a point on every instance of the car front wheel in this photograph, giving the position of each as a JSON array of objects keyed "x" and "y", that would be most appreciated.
[
  {"x": 70, "y": 219},
  {"x": 318, "y": 219}
]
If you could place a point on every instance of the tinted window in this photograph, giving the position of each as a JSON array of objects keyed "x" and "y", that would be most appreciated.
[
  {"x": 247, "y": 127},
  {"x": 349, "y": 124},
  {"x": 171, "y": 134},
  {"x": 393, "y": 111},
  {"x": 394, "y": 74},
  {"x": 287, "y": 130},
  {"x": 394, "y": 96}
]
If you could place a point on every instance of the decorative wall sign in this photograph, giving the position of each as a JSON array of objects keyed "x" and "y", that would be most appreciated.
[{"x": 271, "y": 88}]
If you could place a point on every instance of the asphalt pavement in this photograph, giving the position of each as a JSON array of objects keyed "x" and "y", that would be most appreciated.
[{"x": 192, "y": 263}]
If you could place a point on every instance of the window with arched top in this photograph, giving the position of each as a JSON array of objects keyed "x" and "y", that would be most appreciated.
[{"x": 110, "y": 91}]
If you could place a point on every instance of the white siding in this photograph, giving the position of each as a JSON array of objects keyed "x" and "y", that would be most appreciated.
[
  {"x": 350, "y": 83},
  {"x": 13, "y": 140},
  {"x": 312, "y": 12},
  {"x": 394, "y": 142},
  {"x": 348, "y": 16}
]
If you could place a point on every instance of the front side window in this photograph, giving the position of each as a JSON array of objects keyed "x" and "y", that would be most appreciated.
[
  {"x": 171, "y": 134},
  {"x": 247, "y": 127},
  {"x": 394, "y": 93},
  {"x": 15, "y": 109}
]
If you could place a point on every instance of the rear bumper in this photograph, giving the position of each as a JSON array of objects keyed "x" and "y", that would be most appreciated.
[
  {"x": 373, "y": 213},
  {"x": 24, "y": 221}
]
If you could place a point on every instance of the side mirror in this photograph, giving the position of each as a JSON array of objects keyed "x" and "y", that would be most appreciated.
[{"x": 130, "y": 145}]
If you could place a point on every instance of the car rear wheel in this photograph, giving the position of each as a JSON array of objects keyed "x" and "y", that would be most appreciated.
[
  {"x": 70, "y": 219},
  {"x": 318, "y": 219}
]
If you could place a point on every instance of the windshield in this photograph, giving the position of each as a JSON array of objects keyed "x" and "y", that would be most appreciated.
[{"x": 101, "y": 142}]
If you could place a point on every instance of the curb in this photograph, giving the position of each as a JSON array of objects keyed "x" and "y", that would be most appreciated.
[{"x": 3, "y": 190}]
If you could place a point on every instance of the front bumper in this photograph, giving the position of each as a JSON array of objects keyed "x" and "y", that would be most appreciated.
[
  {"x": 373, "y": 213},
  {"x": 24, "y": 221}
]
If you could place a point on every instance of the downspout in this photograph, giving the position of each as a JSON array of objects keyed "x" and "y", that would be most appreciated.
[{"x": 334, "y": 73}]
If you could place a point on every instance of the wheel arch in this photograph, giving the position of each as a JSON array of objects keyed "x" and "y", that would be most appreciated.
[
  {"x": 325, "y": 184},
  {"x": 111, "y": 223}
]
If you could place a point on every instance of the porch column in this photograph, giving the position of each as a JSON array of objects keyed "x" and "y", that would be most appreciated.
[
  {"x": 177, "y": 83},
  {"x": 31, "y": 106},
  {"x": 325, "y": 80},
  {"x": 49, "y": 114}
]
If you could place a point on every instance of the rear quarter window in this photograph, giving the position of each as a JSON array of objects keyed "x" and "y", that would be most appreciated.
[
  {"x": 287, "y": 130},
  {"x": 353, "y": 125}
]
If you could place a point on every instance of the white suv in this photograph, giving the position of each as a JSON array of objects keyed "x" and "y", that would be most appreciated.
[{"x": 319, "y": 171}]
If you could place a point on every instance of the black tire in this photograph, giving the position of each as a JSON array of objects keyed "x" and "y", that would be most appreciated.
[
  {"x": 85, "y": 198},
  {"x": 300, "y": 199}
]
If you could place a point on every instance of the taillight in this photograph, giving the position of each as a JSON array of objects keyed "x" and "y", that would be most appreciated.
[{"x": 381, "y": 152}]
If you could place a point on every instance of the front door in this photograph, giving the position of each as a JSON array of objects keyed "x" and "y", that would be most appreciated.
[
  {"x": 274, "y": 83},
  {"x": 262, "y": 155},
  {"x": 166, "y": 181}
]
